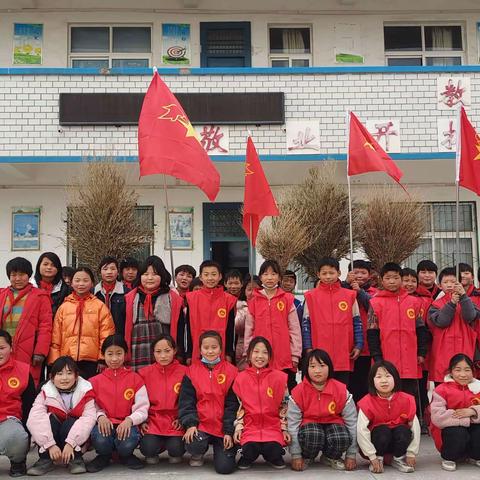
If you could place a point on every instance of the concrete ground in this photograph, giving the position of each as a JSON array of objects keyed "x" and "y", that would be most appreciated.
[{"x": 428, "y": 468}]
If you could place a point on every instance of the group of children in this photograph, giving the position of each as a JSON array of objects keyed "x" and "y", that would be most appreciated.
[{"x": 133, "y": 362}]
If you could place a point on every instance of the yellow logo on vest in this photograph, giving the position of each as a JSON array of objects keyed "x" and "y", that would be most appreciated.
[
  {"x": 13, "y": 382},
  {"x": 281, "y": 306},
  {"x": 331, "y": 407},
  {"x": 343, "y": 306},
  {"x": 221, "y": 378},
  {"x": 476, "y": 401},
  {"x": 411, "y": 313},
  {"x": 176, "y": 388},
  {"x": 128, "y": 393},
  {"x": 222, "y": 312},
  {"x": 270, "y": 392}
]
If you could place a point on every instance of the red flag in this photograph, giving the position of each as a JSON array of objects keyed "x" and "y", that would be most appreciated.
[
  {"x": 366, "y": 155},
  {"x": 468, "y": 155},
  {"x": 167, "y": 142},
  {"x": 258, "y": 200}
]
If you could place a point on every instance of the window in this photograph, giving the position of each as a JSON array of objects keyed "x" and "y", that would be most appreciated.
[
  {"x": 417, "y": 45},
  {"x": 439, "y": 241},
  {"x": 290, "y": 46},
  {"x": 110, "y": 46}
]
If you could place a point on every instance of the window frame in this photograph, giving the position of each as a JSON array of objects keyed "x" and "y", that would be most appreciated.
[{"x": 290, "y": 56}]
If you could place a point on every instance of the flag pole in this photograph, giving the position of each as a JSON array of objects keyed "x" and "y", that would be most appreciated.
[
  {"x": 252, "y": 252},
  {"x": 169, "y": 232},
  {"x": 350, "y": 221},
  {"x": 457, "y": 193}
]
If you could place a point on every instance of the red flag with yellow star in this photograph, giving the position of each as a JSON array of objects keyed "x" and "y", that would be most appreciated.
[
  {"x": 366, "y": 155},
  {"x": 168, "y": 144},
  {"x": 468, "y": 155},
  {"x": 258, "y": 200}
]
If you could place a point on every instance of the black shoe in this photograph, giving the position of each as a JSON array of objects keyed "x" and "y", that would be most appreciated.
[
  {"x": 424, "y": 429},
  {"x": 77, "y": 465},
  {"x": 98, "y": 463},
  {"x": 18, "y": 469},
  {"x": 42, "y": 466},
  {"x": 278, "y": 463},
  {"x": 132, "y": 462},
  {"x": 243, "y": 464}
]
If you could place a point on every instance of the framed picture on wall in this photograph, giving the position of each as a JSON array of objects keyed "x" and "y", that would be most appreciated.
[
  {"x": 181, "y": 228},
  {"x": 25, "y": 229}
]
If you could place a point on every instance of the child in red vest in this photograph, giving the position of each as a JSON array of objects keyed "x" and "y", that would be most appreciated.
[
  {"x": 208, "y": 405},
  {"x": 272, "y": 314},
  {"x": 26, "y": 314},
  {"x": 17, "y": 391},
  {"x": 62, "y": 418},
  {"x": 453, "y": 318},
  {"x": 387, "y": 423},
  {"x": 322, "y": 417},
  {"x": 427, "y": 276},
  {"x": 331, "y": 320},
  {"x": 122, "y": 405},
  {"x": 261, "y": 420},
  {"x": 455, "y": 412},
  {"x": 396, "y": 330},
  {"x": 162, "y": 430},
  {"x": 210, "y": 308}
]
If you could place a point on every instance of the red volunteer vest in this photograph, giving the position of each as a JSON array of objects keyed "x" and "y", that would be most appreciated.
[
  {"x": 331, "y": 322},
  {"x": 208, "y": 309},
  {"x": 211, "y": 388},
  {"x": 397, "y": 315},
  {"x": 400, "y": 409},
  {"x": 447, "y": 342},
  {"x": 13, "y": 382},
  {"x": 115, "y": 392},
  {"x": 321, "y": 407},
  {"x": 163, "y": 386},
  {"x": 261, "y": 393},
  {"x": 271, "y": 322},
  {"x": 75, "y": 412}
]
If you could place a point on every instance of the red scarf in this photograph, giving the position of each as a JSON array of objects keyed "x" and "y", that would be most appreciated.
[
  {"x": 80, "y": 306},
  {"x": 108, "y": 287},
  {"x": 129, "y": 285},
  {"x": 14, "y": 300},
  {"x": 48, "y": 287},
  {"x": 147, "y": 304}
]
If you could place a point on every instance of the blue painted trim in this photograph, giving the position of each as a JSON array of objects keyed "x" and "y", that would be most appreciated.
[
  {"x": 233, "y": 158},
  {"x": 235, "y": 70}
]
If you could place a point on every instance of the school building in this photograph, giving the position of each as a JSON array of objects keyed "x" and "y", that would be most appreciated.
[{"x": 72, "y": 76}]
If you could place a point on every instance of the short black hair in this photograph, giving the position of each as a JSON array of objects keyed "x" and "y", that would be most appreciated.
[
  {"x": 159, "y": 268},
  {"x": 168, "y": 338},
  {"x": 187, "y": 269},
  {"x": 196, "y": 282},
  {"x": 64, "y": 362},
  {"x": 19, "y": 264},
  {"x": 390, "y": 368},
  {"x": 290, "y": 274},
  {"x": 390, "y": 267},
  {"x": 233, "y": 274},
  {"x": 328, "y": 262},
  {"x": 115, "y": 340},
  {"x": 107, "y": 261},
  {"x": 210, "y": 334},
  {"x": 459, "y": 357},
  {"x": 409, "y": 272},
  {"x": 210, "y": 263},
  {"x": 129, "y": 262},
  {"x": 67, "y": 271},
  {"x": 320, "y": 356},
  {"x": 6, "y": 336},
  {"x": 465, "y": 267},
  {"x": 447, "y": 272},
  {"x": 53, "y": 257},
  {"x": 427, "y": 265},
  {"x": 87, "y": 270},
  {"x": 255, "y": 341},
  {"x": 364, "y": 264},
  {"x": 273, "y": 264}
]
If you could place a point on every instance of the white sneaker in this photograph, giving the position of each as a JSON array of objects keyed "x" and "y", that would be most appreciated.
[
  {"x": 152, "y": 460},
  {"x": 472, "y": 461},
  {"x": 333, "y": 463},
  {"x": 175, "y": 460},
  {"x": 400, "y": 464},
  {"x": 449, "y": 466},
  {"x": 196, "y": 461}
]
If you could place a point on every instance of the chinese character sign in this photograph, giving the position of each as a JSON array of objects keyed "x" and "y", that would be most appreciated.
[
  {"x": 387, "y": 133},
  {"x": 447, "y": 134},
  {"x": 303, "y": 136},
  {"x": 453, "y": 92},
  {"x": 214, "y": 139}
]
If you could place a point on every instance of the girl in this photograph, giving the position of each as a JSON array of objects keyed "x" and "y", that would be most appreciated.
[
  {"x": 162, "y": 430},
  {"x": 208, "y": 405},
  {"x": 322, "y": 417},
  {"x": 387, "y": 423},
  {"x": 272, "y": 314},
  {"x": 455, "y": 414},
  {"x": 48, "y": 277},
  {"x": 261, "y": 420},
  {"x": 62, "y": 418},
  {"x": 122, "y": 405},
  {"x": 81, "y": 325},
  {"x": 152, "y": 308}
]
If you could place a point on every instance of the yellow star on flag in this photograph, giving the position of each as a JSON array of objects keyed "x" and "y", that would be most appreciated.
[
  {"x": 171, "y": 115},
  {"x": 248, "y": 170},
  {"x": 477, "y": 145},
  {"x": 369, "y": 145}
]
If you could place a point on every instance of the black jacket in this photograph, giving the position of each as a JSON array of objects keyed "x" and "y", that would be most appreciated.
[{"x": 117, "y": 304}]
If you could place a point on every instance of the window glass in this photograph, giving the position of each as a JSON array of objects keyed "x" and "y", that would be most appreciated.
[
  {"x": 403, "y": 38},
  {"x": 289, "y": 40},
  {"x": 90, "y": 40},
  {"x": 131, "y": 39},
  {"x": 447, "y": 37}
]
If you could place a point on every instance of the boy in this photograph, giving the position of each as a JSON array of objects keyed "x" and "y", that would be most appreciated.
[
  {"x": 67, "y": 274},
  {"x": 233, "y": 282},
  {"x": 331, "y": 320},
  {"x": 427, "y": 274},
  {"x": 128, "y": 271},
  {"x": 210, "y": 308},
  {"x": 112, "y": 292},
  {"x": 184, "y": 275},
  {"x": 467, "y": 278},
  {"x": 453, "y": 319},
  {"x": 396, "y": 330},
  {"x": 289, "y": 282},
  {"x": 26, "y": 314}
]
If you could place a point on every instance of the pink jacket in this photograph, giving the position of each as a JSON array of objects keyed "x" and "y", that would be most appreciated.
[{"x": 49, "y": 402}]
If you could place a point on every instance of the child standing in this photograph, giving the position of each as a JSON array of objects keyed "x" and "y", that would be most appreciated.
[
  {"x": 261, "y": 420},
  {"x": 331, "y": 320},
  {"x": 456, "y": 414},
  {"x": 122, "y": 405},
  {"x": 271, "y": 314},
  {"x": 387, "y": 423},
  {"x": 322, "y": 417},
  {"x": 128, "y": 271},
  {"x": 208, "y": 405},
  {"x": 62, "y": 418},
  {"x": 467, "y": 278},
  {"x": 427, "y": 276},
  {"x": 289, "y": 282},
  {"x": 233, "y": 282},
  {"x": 162, "y": 430},
  {"x": 81, "y": 325}
]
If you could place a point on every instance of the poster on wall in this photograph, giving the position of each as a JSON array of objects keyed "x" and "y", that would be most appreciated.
[
  {"x": 348, "y": 43},
  {"x": 215, "y": 139},
  {"x": 447, "y": 134},
  {"x": 387, "y": 133},
  {"x": 453, "y": 92},
  {"x": 181, "y": 229},
  {"x": 176, "y": 44},
  {"x": 303, "y": 136},
  {"x": 26, "y": 229},
  {"x": 27, "y": 43}
]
